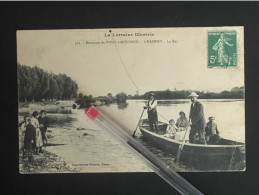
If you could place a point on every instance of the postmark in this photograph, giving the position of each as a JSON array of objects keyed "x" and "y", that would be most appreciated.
[{"x": 222, "y": 49}]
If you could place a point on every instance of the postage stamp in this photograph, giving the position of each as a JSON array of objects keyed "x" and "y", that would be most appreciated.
[{"x": 222, "y": 49}]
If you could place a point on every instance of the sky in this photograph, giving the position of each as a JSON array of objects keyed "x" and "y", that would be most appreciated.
[{"x": 100, "y": 68}]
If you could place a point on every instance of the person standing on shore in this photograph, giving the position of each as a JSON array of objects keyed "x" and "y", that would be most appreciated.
[
  {"x": 43, "y": 121},
  {"x": 152, "y": 112},
  {"x": 22, "y": 130},
  {"x": 197, "y": 119},
  {"x": 29, "y": 140},
  {"x": 38, "y": 141}
]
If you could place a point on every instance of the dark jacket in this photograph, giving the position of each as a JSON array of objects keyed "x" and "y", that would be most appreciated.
[
  {"x": 211, "y": 129},
  {"x": 44, "y": 122},
  {"x": 197, "y": 117},
  {"x": 30, "y": 134}
]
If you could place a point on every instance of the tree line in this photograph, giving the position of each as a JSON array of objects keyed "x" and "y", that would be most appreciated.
[
  {"x": 120, "y": 98},
  {"x": 234, "y": 93},
  {"x": 36, "y": 84}
]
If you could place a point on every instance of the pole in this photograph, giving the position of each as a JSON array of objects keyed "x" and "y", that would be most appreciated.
[{"x": 133, "y": 135}]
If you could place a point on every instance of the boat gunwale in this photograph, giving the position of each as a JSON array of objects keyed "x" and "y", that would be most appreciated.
[{"x": 191, "y": 144}]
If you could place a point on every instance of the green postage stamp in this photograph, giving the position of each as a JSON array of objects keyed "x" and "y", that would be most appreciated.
[{"x": 222, "y": 49}]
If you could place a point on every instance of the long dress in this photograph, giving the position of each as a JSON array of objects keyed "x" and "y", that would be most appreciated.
[
  {"x": 182, "y": 123},
  {"x": 38, "y": 140},
  {"x": 29, "y": 136},
  {"x": 22, "y": 130}
]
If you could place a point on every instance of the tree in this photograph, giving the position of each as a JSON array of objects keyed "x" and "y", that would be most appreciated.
[
  {"x": 35, "y": 83},
  {"x": 109, "y": 95},
  {"x": 80, "y": 95},
  {"x": 121, "y": 97}
]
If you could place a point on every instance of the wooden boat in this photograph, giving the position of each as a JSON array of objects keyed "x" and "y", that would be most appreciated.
[{"x": 229, "y": 155}]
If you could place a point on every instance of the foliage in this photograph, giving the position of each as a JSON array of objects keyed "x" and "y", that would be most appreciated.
[
  {"x": 36, "y": 84},
  {"x": 121, "y": 97},
  {"x": 84, "y": 100}
]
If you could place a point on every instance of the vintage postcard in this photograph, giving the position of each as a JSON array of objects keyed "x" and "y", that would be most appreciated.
[{"x": 178, "y": 91}]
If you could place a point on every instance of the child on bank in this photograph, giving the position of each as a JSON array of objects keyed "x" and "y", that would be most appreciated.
[{"x": 38, "y": 141}]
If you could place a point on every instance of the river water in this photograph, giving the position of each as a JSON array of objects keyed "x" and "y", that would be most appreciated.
[{"x": 89, "y": 149}]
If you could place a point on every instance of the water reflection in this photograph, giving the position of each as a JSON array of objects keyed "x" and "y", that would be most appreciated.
[
  {"x": 168, "y": 102},
  {"x": 122, "y": 106}
]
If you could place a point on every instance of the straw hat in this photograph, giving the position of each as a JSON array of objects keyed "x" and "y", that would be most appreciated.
[
  {"x": 193, "y": 94},
  {"x": 151, "y": 94},
  {"x": 211, "y": 118}
]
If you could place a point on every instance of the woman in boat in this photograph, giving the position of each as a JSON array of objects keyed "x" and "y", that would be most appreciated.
[{"x": 182, "y": 122}]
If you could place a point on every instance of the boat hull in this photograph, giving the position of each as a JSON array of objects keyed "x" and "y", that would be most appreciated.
[{"x": 201, "y": 157}]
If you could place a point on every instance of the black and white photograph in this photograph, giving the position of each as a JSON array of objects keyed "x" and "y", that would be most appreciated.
[{"x": 180, "y": 92}]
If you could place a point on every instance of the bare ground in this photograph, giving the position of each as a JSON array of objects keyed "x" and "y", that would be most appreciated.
[{"x": 45, "y": 162}]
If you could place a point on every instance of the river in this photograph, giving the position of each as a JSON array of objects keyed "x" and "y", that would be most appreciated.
[{"x": 91, "y": 150}]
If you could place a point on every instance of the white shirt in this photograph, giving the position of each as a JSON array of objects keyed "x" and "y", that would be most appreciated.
[{"x": 152, "y": 105}]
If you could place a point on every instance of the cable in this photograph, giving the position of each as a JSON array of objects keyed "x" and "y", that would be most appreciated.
[
  {"x": 162, "y": 116},
  {"x": 123, "y": 62}
]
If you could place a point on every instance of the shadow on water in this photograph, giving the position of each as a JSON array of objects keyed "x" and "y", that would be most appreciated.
[
  {"x": 168, "y": 102},
  {"x": 122, "y": 106},
  {"x": 61, "y": 120}
]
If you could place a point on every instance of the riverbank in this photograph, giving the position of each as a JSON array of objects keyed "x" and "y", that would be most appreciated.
[
  {"x": 45, "y": 162},
  {"x": 54, "y": 107}
]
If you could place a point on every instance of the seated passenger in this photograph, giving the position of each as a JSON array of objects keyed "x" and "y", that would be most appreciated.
[
  {"x": 171, "y": 129},
  {"x": 182, "y": 123},
  {"x": 212, "y": 133}
]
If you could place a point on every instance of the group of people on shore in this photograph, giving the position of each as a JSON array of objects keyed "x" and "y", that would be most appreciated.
[
  {"x": 200, "y": 131},
  {"x": 33, "y": 134}
]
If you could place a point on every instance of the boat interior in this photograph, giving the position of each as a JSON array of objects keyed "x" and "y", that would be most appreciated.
[{"x": 162, "y": 131}]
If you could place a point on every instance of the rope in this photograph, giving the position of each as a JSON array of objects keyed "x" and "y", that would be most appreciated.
[
  {"x": 123, "y": 63},
  {"x": 162, "y": 116}
]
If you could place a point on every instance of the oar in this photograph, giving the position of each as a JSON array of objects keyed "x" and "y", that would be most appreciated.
[
  {"x": 138, "y": 122},
  {"x": 179, "y": 152}
]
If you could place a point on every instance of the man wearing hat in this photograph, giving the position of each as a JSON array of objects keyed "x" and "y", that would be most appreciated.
[
  {"x": 197, "y": 119},
  {"x": 211, "y": 131},
  {"x": 152, "y": 112}
]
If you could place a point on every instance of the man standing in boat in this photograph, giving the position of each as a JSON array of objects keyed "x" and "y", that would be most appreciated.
[
  {"x": 152, "y": 113},
  {"x": 197, "y": 119}
]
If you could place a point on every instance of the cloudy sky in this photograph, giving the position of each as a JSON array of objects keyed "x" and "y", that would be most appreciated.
[{"x": 98, "y": 68}]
